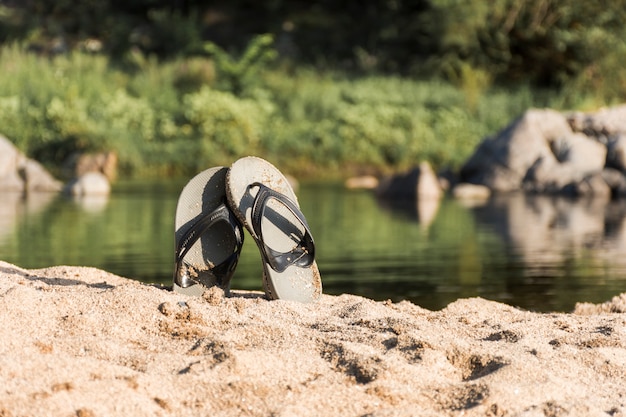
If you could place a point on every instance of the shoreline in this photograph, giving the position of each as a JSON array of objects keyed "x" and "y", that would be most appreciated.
[{"x": 82, "y": 341}]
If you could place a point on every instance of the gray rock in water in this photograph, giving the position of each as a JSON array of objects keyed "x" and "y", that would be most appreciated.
[
  {"x": 501, "y": 163},
  {"x": 36, "y": 178},
  {"x": 604, "y": 123},
  {"x": 465, "y": 191},
  {"x": 616, "y": 181},
  {"x": 545, "y": 151},
  {"x": 80, "y": 163},
  {"x": 21, "y": 174},
  {"x": 616, "y": 152},
  {"x": 420, "y": 182},
  {"x": 576, "y": 158},
  {"x": 89, "y": 184}
]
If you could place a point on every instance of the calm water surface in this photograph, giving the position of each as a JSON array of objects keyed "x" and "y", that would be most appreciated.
[{"x": 537, "y": 253}]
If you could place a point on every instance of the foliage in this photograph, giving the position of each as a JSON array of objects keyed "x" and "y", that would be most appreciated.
[
  {"x": 228, "y": 126},
  {"x": 194, "y": 73},
  {"x": 57, "y": 26},
  {"x": 547, "y": 43},
  {"x": 381, "y": 123},
  {"x": 238, "y": 73},
  {"x": 310, "y": 122}
]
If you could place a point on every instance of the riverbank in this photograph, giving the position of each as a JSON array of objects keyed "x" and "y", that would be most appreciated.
[{"x": 81, "y": 341}]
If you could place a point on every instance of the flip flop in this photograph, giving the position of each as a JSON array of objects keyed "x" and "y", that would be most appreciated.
[
  {"x": 208, "y": 236},
  {"x": 263, "y": 200}
]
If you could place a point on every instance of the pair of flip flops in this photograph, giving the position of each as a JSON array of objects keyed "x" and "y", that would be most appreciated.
[{"x": 209, "y": 234}]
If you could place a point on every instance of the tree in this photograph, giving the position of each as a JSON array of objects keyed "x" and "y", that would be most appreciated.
[{"x": 545, "y": 41}]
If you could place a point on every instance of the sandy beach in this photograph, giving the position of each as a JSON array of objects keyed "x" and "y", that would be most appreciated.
[{"x": 77, "y": 341}]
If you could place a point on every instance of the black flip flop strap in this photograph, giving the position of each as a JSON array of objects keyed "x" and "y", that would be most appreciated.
[
  {"x": 193, "y": 234},
  {"x": 303, "y": 254}
]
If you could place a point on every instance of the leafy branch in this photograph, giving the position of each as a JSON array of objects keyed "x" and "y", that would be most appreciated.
[{"x": 237, "y": 73}]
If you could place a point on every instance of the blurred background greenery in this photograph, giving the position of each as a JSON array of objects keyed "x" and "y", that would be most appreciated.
[{"x": 322, "y": 87}]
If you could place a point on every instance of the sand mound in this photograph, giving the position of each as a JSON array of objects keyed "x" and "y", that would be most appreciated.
[
  {"x": 616, "y": 305},
  {"x": 80, "y": 341}
]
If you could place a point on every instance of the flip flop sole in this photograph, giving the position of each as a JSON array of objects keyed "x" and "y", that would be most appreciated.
[
  {"x": 295, "y": 283},
  {"x": 203, "y": 194}
]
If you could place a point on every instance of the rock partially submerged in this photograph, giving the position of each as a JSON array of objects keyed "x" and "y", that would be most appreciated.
[
  {"x": 545, "y": 151},
  {"x": 81, "y": 163},
  {"x": 471, "y": 192},
  {"x": 88, "y": 184},
  {"x": 365, "y": 182},
  {"x": 21, "y": 174},
  {"x": 420, "y": 182},
  {"x": 542, "y": 152}
]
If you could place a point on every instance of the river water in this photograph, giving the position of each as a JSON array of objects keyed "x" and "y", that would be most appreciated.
[{"x": 536, "y": 253}]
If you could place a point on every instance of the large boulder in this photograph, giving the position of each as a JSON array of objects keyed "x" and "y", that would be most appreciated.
[
  {"x": 576, "y": 158},
  {"x": 21, "y": 174},
  {"x": 616, "y": 181},
  {"x": 501, "y": 163},
  {"x": 10, "y": 158},
  {"x": 604, "y": 123},
  {"x": 545, "y": 151},
  {"x": 616, "y": 152}
]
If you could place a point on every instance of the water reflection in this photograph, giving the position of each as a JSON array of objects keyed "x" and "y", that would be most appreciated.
[
  {"x": 93, "y": 204},
  {"x": 423, "y": 210},
  {"x": 545, "y": 231},
  {"x": 17, "y": 206},
  {"x": 535, "y": 252}
]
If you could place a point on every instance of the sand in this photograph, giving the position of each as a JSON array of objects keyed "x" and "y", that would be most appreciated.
[{"x": 77, "y": 341}]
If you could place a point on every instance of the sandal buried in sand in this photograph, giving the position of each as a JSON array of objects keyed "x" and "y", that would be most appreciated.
[
  {"x": 208, "y": 236},
  {"x": 263, "y": 200}
]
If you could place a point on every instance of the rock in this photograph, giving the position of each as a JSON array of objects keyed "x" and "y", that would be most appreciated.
[
  {"x": 616, "y": 181},
  {"x": 89, "y": 184},
  {"x": 448, "y": 179},
  {"x": 549, "y": 176},
  {"x": 420, "y": 182},
  {"x": 36, "y": 178},
  {"x": 545, "y": 151},
  {"x": 501, "y": 163},
  {"x": 10, "y": 158},
  {"x": 576, "y": 158},
  {"x": 605, "y": 122},
  {"x": 12, "y": 183},
  {"x": 79, "y": 164},
  {"x": 586, "y": 155},
  {"x": 465, "y": 191},
  {"x": 616, "y": 152},
  {"x": 365, "y": 182},
  {"x": 21, "y": 174},
  {"x": 593, "y": 186}
]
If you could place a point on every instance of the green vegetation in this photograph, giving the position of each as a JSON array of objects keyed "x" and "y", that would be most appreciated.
[
  {"x": 52, "y": 107},
  {"x": 318, "y": 87},
  {"x": 176, "y": 117}
]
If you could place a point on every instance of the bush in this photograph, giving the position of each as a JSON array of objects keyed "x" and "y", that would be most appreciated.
[
  {"x": 381, "y": 122},
  {"x": 227, "y": 126}
]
